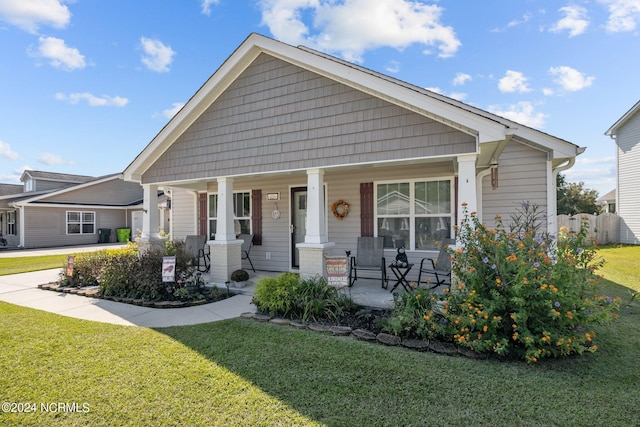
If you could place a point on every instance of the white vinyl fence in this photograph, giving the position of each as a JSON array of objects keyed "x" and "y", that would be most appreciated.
[{"x": 604, "y": 228}]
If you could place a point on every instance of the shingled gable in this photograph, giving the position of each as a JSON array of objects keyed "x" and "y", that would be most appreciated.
[{"x": 486, "y": 128}]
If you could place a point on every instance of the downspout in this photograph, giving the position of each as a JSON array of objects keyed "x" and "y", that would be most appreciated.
[
  {"x": 552, "y": 191},
  {"x": 20, "y": 225}
]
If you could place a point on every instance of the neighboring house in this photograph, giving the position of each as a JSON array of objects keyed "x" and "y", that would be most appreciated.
[
  {"x": 54, "y": 209},
  {"x": 626, "y": 133},
  {"x": 608, "y": 202},
  {"x": 279, "y": 135}
]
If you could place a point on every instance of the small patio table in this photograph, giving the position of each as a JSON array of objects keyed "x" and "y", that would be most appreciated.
[{"x": 401, "y": 276}]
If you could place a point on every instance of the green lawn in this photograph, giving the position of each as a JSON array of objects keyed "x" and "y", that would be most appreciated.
[
  {"x": 242, "y": 372},
  {"x": 30, "y": 263}
]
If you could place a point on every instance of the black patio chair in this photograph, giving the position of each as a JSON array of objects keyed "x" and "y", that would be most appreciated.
[
  {"x": 369, "y": 258},
  {"x": 439, "y": 269},
  {"x": 196, "y": 247},
  {"x": 247, "y": 244}
]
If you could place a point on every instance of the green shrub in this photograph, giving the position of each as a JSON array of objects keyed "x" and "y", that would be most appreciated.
[
  {"x": 307, "y": 299},
  {"x": 277, "y": 295},
  {"x": 240, "y": 276},
  {"x": 518, "y": 292},
  {"x": 89, "y": 267},
  {"x": 317, "y": 300},
  {"x": 128, "y": 274}
]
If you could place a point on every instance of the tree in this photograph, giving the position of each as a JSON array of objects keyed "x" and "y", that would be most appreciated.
[{"x": 574, "y": 198}]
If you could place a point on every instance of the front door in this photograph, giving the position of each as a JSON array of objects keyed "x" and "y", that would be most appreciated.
[{"x": 298, "y": 225}]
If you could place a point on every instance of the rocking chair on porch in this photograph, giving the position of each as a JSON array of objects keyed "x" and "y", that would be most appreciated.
[
  {"x": 370, "y": 258},
  {"x": 196, "y": 247},
  {"x": 440, "y": 269}
]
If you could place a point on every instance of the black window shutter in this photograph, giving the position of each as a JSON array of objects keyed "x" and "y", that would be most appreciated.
[
  {"x": 256, "y": 216},
  {"x": 202, "y": 213}
]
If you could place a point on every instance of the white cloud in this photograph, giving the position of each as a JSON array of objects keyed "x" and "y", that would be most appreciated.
[
  {"x": 206, "y": 6},
  {"x": 7, "y": 152},
  {"x": 157, "y": 56},
  {"x": 575, "y": 21},
  {"x": 393, "y": 67},
  {"x": 570, "y": 79},
  {"x": 61, "y": 55},
  {"x": 624, "y": 15},
  {"x": 92, "y": 100},
  {"x": 351, "y": 27},
  {"x": 170, "y": 112},
  {"x": 513, "y": 81},
  {"x": 525, "y": 18},
  {"x": 460, "y": 96},
  {"x": 461, "y": 78},
  {"x": 31, "y": 14},
  {"x": 522, "y": 112},
  {"x": 434, "y": 89},
  {"x": 53, "y": 159},
  {"x": 547, "y": 91}
]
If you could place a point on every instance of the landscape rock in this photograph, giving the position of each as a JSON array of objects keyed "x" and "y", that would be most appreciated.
[
  {"x": 418, "y": 345},
  {"x": 364, "y": 335},
  {"x": 340, "y": 330},
  {"x": 388, "y": 339}
]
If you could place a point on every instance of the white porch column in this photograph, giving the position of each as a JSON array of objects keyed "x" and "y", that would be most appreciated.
[
  {"x": 225, "y": 249},
  {"x": 316, "y": 240},
  {"x": 224, "y": 228},
  {"x": 467, "y": 189},
  {"x": 150, "y": 238},
  {"x": 316, "y": 210}
]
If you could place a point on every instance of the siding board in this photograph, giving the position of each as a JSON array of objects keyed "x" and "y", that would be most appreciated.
[
  {"x": 628, "y": 147},
  {"x": 296, "y": 121}
]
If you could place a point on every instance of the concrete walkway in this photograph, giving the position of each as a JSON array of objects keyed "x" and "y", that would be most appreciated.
[{"x": 22, "y": 289}]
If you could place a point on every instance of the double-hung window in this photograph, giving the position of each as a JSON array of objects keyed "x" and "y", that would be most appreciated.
[
  {"x": 415, "y": 214},
  {"x": 11, "y": 223},
  {"x": 79, "y": 222},
  {"x": 241, "y": 213}
]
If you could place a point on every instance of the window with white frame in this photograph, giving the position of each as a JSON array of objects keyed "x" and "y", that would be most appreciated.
[
  {"x": 414, "y": 214},
  {"x": 79, "y": 222},
  {"x": 11, "y": 223},
  {"x": 241, "y": 213}
]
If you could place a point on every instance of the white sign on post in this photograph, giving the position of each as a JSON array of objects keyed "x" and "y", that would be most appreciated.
[
  {"x": 168, "y": 268},
  {"x": 337, "y": 273}
]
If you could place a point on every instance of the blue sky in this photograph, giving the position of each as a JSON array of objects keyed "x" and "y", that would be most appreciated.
[{"x": 85, "y": 85}]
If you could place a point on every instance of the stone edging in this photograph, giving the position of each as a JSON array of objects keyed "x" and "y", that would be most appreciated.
[
  {"x": 365, "y": 335},
  {"x": 93, "y": 292}
]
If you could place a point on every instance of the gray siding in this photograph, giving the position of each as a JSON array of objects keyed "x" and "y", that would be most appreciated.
[
  {"x": 183, "y": 213},
  {"x": 276, "y": 116},
  {"x": 46, "y": 227},
  {"x": 115, "y": 192},
  {"x": 522, "y": 177},
  {"x": 628, "y": 141}
]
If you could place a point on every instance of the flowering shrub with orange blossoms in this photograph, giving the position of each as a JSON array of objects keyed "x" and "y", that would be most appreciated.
[{"x": 518, "y": 292}]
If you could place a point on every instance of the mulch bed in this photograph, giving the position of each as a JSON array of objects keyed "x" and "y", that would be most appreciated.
[{"x": 94, "y": 292}]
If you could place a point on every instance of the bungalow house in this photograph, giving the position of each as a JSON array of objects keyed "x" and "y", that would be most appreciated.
[
  {"x": 55, "y": 209},
  {"x": 307, "y": 152},
  {"x": 626, "y": 133}
]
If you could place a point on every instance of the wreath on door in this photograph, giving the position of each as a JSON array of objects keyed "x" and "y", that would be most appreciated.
[{"x": 340, "y": 209}]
